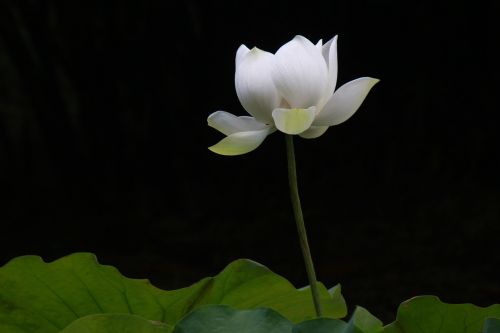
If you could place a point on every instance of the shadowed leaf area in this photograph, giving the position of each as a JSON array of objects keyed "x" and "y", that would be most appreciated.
[
  {"x": 115, "y": 323},
  {"x": 428, "y": 314},
  {"x": 76, "y": 294},
  {"x": 223, "y": 319},
  {"x": 46, "y": 297}
]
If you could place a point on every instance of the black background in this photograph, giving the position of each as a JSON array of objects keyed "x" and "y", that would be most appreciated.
[{"x": 103, "y": 144}]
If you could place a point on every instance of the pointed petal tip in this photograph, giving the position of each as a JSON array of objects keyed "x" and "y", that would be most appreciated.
[
  {"x": 240, "y": 143},
  {"x": 212, "y": 115},
  {"x": 227, "y": 123},
  {"x": 211, "y": 119},
  {"x": 345, "y": 101},
  {"x": 255, "y": 51},
  {"x": 373, "y": 81},
  {"x": 216, "y": 149},
  {"x": 301, "y": 38},
  {"x": 368, "y": 81},
  {"x": 331, "y": 41},
  {"x": 241, "y": 53},
  {"x": 243, "y": 47}
]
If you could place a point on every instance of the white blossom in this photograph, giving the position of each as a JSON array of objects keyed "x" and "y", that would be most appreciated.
[{"x": 292, "y": 91}]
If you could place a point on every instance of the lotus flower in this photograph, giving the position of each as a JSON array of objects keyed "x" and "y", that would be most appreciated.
[{"x": 292, "y": 91}]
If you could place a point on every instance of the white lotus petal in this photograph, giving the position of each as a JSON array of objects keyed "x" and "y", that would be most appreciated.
[
  {"x": 241, "y": 53},
  {"x": 319, "y": 44},
  {"x": 314, "y": 132},
  {"x": 228, "y": 123},
  {"x": 254, "y": 85},
  {"x": 293, "y": 121},
  {"x": 330, "y": 55},
  {"x": 240, "y": 142},
  {"x": 345, "y": 101},
  {"x": 300, "y": 74}
]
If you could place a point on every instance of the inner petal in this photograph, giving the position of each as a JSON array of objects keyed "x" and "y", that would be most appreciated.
[
  {"x": 293, "y": 121},
  {"x": 300, "y": 73}
]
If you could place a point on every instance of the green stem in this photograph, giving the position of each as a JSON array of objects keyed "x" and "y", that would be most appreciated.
[{"x": 299, "y": 220}]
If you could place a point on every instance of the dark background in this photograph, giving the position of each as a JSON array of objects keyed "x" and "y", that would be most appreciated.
[{"x": 103, "y": 144}]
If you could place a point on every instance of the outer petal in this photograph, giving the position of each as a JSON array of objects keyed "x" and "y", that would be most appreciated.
[
  {"x": 228, "y": 123},
  {"x": 294, "y": 121},
  {"x": 314, "y": 132},
  {"x": 240, "y": 142},
  {"x": 319, "y": 44},
  {"x": 300, "y": 74},
  {"x": 254, "y": 85},
  {"x": 345, "y": 101},
  {"x": 241, "y": 53},
  {"x": 329, "y": 51}
]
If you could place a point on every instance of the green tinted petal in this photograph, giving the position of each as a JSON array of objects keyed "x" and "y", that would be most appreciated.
[
  {"x": 293, "y": 121},
  {"x": 240, "y": 143}
]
